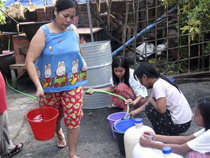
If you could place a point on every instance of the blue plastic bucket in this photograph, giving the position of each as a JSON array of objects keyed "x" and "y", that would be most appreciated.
[
  {"x": 122, "y": 125},
  {"x": 119, "y": 129},
  {"x": 112, "y": 118}
]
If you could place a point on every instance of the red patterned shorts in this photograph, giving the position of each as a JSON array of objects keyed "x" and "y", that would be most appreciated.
[{"x": 69, "y": 104}]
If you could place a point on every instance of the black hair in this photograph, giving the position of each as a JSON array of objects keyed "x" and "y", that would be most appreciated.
[
  {"x": 148, "y": 70},
  {"x": 64, "y": 4},
  {"x": 204, "y": 107},
  {"x": 120, "y": 61}
]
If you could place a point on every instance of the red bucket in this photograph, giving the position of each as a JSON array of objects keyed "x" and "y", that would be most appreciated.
[{"x": 43, "y": 130}]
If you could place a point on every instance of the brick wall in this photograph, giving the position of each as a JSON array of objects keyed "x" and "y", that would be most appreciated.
[
  {"x": 118, "y": 7},
  {"x": 44, "y": 14}
]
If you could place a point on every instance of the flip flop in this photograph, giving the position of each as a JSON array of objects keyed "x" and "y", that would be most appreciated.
[
  {"x": 16, "y": 150},
  {"x": 62, "y": 142}
]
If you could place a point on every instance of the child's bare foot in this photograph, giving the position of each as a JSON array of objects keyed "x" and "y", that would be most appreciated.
[{"x": 111, "y": 106}]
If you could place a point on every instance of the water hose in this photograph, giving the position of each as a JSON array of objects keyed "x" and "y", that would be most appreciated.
[
  {"x": 93, "y": 90},
  {"x": 101, "y": 91},
  {"x": 33, "y": 97}
]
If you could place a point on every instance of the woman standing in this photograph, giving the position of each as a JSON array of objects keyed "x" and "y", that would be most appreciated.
[
  {"x": 60, "y": 71},
  {"x": 167, "y": 109}
]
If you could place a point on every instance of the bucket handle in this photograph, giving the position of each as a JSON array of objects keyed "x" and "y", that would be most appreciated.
[
  {"x": 101, "y": 91},
  {"x": 41, "y": 111}
]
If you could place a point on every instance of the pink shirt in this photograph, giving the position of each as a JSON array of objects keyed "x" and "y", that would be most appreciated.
[{"x": 3, "y": 102}]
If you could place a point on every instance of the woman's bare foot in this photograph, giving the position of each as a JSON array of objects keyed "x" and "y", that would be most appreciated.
[{"x": 73, "y": 156}]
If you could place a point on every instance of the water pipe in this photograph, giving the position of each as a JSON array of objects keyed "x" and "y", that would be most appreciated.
[
  {"x": 143, "y": 31},
  {"x": 101, "y": 91}
]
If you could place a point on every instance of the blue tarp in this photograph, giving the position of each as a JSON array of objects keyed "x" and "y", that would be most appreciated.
[{"x": 38, "y": 3}]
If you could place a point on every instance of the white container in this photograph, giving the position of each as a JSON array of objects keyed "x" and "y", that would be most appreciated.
[
  {"x": 144, "y": 152},
  {"x": 132, "y": 136},
  {"x": 167, "y": 153}
]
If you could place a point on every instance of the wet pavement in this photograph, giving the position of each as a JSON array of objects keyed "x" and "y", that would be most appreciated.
[{"x": 96, "y": 139}]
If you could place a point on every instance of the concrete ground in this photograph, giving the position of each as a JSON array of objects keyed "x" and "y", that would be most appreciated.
[{"x": 96, "y": 140}]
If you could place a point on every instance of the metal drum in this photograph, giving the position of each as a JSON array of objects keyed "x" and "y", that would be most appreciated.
[{"x": 98, "y": 57}]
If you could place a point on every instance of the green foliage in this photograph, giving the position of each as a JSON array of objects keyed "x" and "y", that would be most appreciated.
[
  {"x": 207, "y": 48},
  {"x": 195, "y": 15},
  {"x": 170, "y": 2},
  {"x": 2, "y": 16}
]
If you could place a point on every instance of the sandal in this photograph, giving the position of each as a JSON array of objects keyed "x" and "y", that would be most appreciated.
[
  {"x": 61, "y": 143},
  {"x": 16, "y": 150}
]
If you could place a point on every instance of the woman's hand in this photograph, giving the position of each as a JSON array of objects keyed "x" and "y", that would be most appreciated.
[
  {"x": 133, "y": 113},
  {"x": 146, "y": 141},
  {"x": 89, "y": 91},
  {"x": 40, "y": 94},
  {"x": 130, "y": 102},
  {"x": 150, "y": 133}
]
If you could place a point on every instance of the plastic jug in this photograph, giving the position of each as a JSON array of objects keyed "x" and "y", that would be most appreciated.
[
  {"x": 132, "y": 135},
  {"x": 144, "y": 152},
  {"x": 167, "y": 153}
]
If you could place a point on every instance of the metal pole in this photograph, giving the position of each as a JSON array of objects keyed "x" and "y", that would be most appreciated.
[{"x": 90, "y": 21}]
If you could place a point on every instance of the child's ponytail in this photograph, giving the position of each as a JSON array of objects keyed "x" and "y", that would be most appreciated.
[{"x": 148, "y": 70}]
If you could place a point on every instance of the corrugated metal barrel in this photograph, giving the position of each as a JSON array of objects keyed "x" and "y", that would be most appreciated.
[{"x": 98, "y": 57}]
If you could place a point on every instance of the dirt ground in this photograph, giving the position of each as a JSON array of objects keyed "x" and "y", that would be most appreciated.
[{"x": 96, "y": 140}]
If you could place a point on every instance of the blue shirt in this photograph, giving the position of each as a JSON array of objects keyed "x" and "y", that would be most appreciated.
[{"x": 60, "y": 64}]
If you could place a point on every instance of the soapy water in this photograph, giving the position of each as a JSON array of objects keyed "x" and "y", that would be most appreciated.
[{"x": 38, "y": 118}]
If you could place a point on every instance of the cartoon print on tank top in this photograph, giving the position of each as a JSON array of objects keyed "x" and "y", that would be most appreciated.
[
  {"x": 38, "y": 73},
  {"x": 61, "y": 75},
  {"x": 50, "y": 48},
  {"x": 75, "y": 74},
  {"x": 47, "y": 81},
  {"x": 83, "y": 74}
]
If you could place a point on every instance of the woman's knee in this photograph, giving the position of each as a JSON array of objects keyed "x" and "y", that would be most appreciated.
[
  {"x": 149, "y": 109},
  {"x": 194, "y": 154}
]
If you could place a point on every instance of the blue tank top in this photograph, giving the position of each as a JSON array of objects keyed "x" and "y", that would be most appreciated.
[{"x": 59, "y": 67}]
